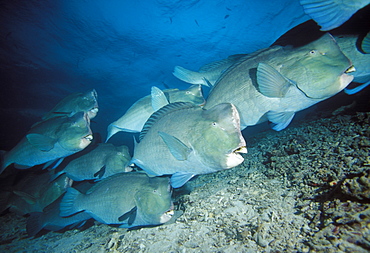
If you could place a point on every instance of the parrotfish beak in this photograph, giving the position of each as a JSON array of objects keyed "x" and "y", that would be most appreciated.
[
  {"x": 167, "y": 215},
  {"x": 346, "y": 79},
  {"x": 93, "y": 112},
  {"x": 85, "y": 141},
  {"x": 234, "y": 158}
]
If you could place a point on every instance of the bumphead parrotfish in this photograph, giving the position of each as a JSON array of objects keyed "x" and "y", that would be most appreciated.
[
  {"x": 125, "y": 199},
  {"x": 274, "y": 83},
  {"x": 136, "y": 116},
  {"x": 50, "y": 140},
  {"x": 184, "y": 140},
  {"x": 74, "y": 103}
]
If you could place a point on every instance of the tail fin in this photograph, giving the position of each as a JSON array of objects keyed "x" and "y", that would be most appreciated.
[
  {"x": 35, "y": 223},
  {"x": 2, "y": 161},
  {"x": 189, "y": 76},
  {"x": 112, "y": 130},
  {"x": 4, "y": 200},
  {"x": 69, "y": 205}
]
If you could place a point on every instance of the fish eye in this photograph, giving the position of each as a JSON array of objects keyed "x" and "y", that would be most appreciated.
[
  {"x": 313, "y": 52},
  {"x": 214, "y": 123}
]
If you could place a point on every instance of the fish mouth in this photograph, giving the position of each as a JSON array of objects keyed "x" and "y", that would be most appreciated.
[
  {"x": 242, "y": 150},
  {"x": 89, "y": 137},
  {"x": 350, "y": 69},
  {"x": 93, "y": 112},
  {"x": 235, "y": 158},
  {"x": 85, "y": 141},
  {"x": 345, "y": 79},
  {"x": 167, "y": 215}
]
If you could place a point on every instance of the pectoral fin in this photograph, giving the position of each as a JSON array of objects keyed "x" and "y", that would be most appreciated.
[
  {"x": 365, "y": 45},
  {"x": 99, "y": 174},
  {"x": 280, "y": 120},
  {"x": 357, "y": 89},
  {"x": 130, "y": 216},
  {"x": 158, "y": 99},
  {"x": 41, "y": 142},
  {"x": 180, "y": 178},
  {"x": 177, "y": 148},
  {"x": 270, "y": 82},
  {"x": 53, "y": 164},
  {"x": 21, "y": 166}
]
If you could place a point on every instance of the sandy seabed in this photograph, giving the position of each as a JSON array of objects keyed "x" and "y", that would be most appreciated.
[{"x": 304, "y": 189}]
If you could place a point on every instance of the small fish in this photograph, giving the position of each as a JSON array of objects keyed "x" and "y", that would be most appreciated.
[
  {"x": 50, "y": 140},
  {"x": 184, "y": 140},
  {"x": 208, "y": 74},
  {"x": 274, "y": 83},
  {"x": 330, "y": 14},
  {"x": 76, "y": 102},
  {"x": 125, "y": 199},
  {"x": 101, "y": 162},
  {"x": 136, "y": 116}
]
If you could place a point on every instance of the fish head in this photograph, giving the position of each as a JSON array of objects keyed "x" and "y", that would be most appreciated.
[
  {"x": 123, "y": 156},
  {"x": 154, "y": 202},
  {"x": 88, "y": 103},
  {"x": 221, "y": 141},
  {"x": 75, "y": 134},
  {"x": 193, "y": 95},
  {"x": 321, "y": 70}
]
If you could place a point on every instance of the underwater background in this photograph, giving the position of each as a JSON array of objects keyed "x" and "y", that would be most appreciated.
[{"x": 303, "y": 189}]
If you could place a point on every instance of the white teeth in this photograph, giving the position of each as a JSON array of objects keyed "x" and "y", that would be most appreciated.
[
  {"x": 171, "y": 212},
  {"x": 89, "y": 137},
  {"x": 166, "y": 216},
  {"x": 241, "y": 150},
  {"x": 94, "y": 110},
  {"x": 233, "y": 159},
  {"x": 350, "y": 69}
]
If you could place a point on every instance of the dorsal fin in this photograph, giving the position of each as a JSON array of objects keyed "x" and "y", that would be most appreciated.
[
  {"x": 159, "y": 99},
  {"x": 224, "y": 62},
  {"x": 164, "y": 111}
]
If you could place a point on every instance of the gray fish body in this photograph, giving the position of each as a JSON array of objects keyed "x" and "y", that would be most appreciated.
[
  {"x": 136, "y": 116},
  {"x": 207, "y": 74},
  {"x": 50, "y": 140},
  {"x": 74, "y": 103},
  {"x": 274, "y": 83},
  {"x": 127, "y": 199},
  {"x": 186, "y": 140},
  {"x": 105, "y": 156}
]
